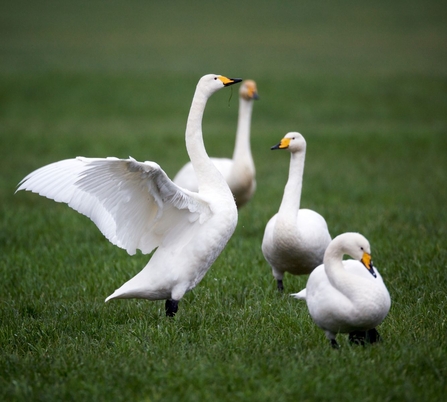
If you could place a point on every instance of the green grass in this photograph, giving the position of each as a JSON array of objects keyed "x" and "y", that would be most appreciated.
[{"x": 365, "y": 84}]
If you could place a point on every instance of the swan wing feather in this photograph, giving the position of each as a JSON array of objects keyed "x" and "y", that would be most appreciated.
[{"x": 134, "y": 204}]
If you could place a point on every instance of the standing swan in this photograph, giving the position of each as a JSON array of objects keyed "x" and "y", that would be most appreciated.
[
  {"x": 343, "y": 296},
  {"x": 294, "y": 239},
  {"x": 239, "y": 172},
  {"x": 135, "y": 205}
]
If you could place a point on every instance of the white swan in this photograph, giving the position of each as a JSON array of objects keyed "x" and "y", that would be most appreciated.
[
  {"x": 239, "y": 172},
  {"x": 294, "y": 239},
  {"x": 136, "y": 206},
  {"x": 347, "y": 296}
]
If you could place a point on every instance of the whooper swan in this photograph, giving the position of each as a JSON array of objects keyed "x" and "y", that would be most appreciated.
[
  {"x": 239, "y": 172},
  {"x": 347, "y": 296},
  {"x": 294, "y": 239},
  {"x": 136, "y": 206}
]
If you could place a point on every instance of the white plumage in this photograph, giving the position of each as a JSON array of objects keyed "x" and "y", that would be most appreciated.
[
  {"x": 347, "y": 296},
  {"x": 294, "y": 239},
  {"x": 239, "y": 172},
  {"x": 136, "y": 206}
]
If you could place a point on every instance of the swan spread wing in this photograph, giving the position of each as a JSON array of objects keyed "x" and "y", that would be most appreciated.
[{"x": 134, "y": 204}]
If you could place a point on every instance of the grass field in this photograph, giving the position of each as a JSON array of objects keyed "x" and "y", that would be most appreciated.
[{"x": 366, "y": 84}]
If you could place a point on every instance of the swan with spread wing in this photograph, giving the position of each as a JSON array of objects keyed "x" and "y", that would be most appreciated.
[{"x": 136, "y": 206}]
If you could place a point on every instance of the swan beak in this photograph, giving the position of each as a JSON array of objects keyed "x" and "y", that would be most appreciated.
[
  {"x": 253, "y": 94},
  {"x": 248, "y": 90},
  {"x": 282, "y": 145},
  {"x": 366, "y": 261},
  {"x": 229, "y": 81}
]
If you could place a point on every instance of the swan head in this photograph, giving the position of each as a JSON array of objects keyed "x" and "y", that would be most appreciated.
[
  {"x": 356, "y": 246},
  {"x": 211, "y": 83},
  {"x": 293, "y": 141},
  {"x": 248, "y": 90}
]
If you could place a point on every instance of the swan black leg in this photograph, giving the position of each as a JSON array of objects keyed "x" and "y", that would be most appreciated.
[
  {"x": 171, "y": 307},
  {"x": 280, "y": 285},
  {"x": 334, "y": 344},
  {"x": 364, "y": 337},
  {"x": 373, "y": 336}
]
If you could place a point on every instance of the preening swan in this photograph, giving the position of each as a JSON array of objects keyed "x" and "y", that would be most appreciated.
[
  {"x": 136, "y": 206},
  {"x": 294, "y": 239},
  {"x": 347, "y": 296},
  {"x": 239, "y": 172}
]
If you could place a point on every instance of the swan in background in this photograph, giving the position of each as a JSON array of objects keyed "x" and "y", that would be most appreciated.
[
  {"x": 347, "y": 296},
  {"x": 294, "y": 239},
  {"x": 239, "y": 172},
  {"x": 136, "y": 206}
]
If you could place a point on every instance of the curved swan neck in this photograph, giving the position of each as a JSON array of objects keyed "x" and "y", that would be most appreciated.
[
  {"x": 207, "y": 173},
  {"x": 291, "y": 199},
  {"x": 336, "y": 273},
  {"x": 242, "y": 150}
]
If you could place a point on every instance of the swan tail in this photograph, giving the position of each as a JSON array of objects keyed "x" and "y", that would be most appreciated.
[
  {"x": 300, "y": 295},
  {"x": 114, "y": 295}
]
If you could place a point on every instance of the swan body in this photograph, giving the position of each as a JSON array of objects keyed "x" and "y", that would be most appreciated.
[
  {"x": 347, "y": 296},
  {"x": 136, "y": 206},
  {"x": 239, "y": 172},
  {"x": 294, "y": 239}
]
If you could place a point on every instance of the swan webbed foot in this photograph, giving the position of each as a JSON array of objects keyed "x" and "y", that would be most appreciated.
[
  {"x": 334, "y": 344},
  {"x": 280, "y": 285},
  {"x": 357, "y": 337},
  {"x": 171, "y": 307},
  {"x": 364, "y": 337}
]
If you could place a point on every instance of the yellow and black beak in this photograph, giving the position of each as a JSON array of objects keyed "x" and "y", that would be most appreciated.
[
  {"x": 253, "y": 94},
  {"x": 284, "y": 144},
  {"x": 367, "y": 262},
  {"x": 229, "y": 81}
]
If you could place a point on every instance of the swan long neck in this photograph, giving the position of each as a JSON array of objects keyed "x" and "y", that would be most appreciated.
[
  {"x": 207, "y": 173},
  {"x": 242, "y": 150},
  {"x": 337, "y": 274},
  {"x": 291, "y": 199}
]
